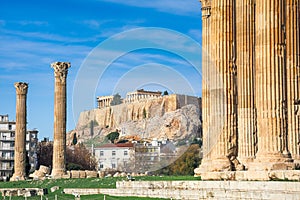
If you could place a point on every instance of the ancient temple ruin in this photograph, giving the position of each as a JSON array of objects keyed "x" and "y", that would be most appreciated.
[
  {"x": 251, "y": 78},
  {"x": 60, "y": 115},
  {"x": 104, "y": 101},
  {"x": 141, "y": 95},
  {"x": 20, "y": 137}
]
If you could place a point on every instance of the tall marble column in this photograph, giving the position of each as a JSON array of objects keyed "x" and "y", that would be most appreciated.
[
  {"x": 271, "y": 87},
  {"x": 59, "y": 145},
  {"x": 293, "y": 76},
  {"x": 206, "y": 27},
  {"x": 247, "y": 137},
  {"x": 220, "y": 142},
  {"x": 20, "y": 134}
]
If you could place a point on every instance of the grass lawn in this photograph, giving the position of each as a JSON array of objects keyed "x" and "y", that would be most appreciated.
[{"x": 84, "y": 183}]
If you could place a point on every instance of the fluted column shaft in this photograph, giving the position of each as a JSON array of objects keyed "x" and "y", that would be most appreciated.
[
  {"x": 221, "y": 121},
  {"x": 20, "y": 134},
  {"x": 246, "y": 81},
  {"x": 271, "y": 82},
  {"x": 206, "y": 78},
  {"x": 59, "y": 145},
  {"x": 293, "y": 76}
]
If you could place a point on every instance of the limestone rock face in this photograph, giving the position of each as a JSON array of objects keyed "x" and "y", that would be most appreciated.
[{"x": 175, "y": 117}]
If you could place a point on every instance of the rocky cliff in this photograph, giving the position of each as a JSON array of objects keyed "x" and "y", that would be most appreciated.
[{"x": 176, "y": 117}]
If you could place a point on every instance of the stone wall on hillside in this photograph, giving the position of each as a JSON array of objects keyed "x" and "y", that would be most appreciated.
[{"x": 171, "y": 116}]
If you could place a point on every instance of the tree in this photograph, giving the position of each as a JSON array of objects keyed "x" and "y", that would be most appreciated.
[
  {"x": 74, "y": 141},
  {"x": 113, "y": 136},
  {"x": 45, "y": 154},
  {"x": 165, "y": 93},
  {"x": 144, "y": 113},
  {"x": 77, "y": 157},
  {"x": 116, "y": 100},
  {"x": 185, "y": 164}
]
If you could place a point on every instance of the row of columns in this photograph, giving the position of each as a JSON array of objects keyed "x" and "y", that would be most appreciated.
[
  {"x": 251, "y": 80},
  {"x": 136, "y": 97},
  {"x": 59, "y": 146},
  {"x": 104, "y": 102}
]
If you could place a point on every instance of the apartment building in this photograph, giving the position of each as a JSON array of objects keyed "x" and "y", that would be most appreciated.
[{"x": 7, "y": 143}]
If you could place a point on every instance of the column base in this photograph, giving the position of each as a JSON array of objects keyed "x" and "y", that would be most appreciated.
[
  {"x": 213, "y": 165},
  {"x": 59, "y": 174},
  {"x": 284, "y": 175},
  {"x": 272, "y": 161},
  {"x": 17, "y": 178},
  {"x": 296, "y": 159},
  {"x": 245, "y": 161}
]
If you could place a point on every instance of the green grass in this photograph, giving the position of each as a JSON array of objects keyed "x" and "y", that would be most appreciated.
[
  {"x": 85, "y": 183},
  {"x": 101, "y": 196}
]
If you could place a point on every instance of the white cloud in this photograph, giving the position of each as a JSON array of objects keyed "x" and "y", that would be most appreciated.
[
  {"x": 21, "y": 54},
  {"x": 44, "y": 36},
  {"x": 36, "y": 23},
  {"x": 178, "y": 7},
  {"x": 94, "y": 24}
]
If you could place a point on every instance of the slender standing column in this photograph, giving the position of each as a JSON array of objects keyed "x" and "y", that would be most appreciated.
[
  {"x": 221, "y": 131},
  {"x": 20, "y": 135},
  {"x": 271, "y": 86},
  {"x": 206, "y": 18},
  {"x": 293, "y": 77},
  {"x": 246, "y": 81},
  {"x": 59, "y": 146}
]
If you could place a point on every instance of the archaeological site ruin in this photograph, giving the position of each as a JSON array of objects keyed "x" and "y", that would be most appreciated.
[
  {"x": 251, "y": 94},
  {"x": 60, "y": 118},
  {"x": 20, "y": 140}
]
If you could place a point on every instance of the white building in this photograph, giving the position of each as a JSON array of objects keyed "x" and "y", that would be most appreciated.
[
  {"x": 7, "y": 143},
  {"x": 114, "y": 156}
]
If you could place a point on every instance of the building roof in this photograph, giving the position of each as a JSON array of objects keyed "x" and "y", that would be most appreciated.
[{"x": 119, "y": 145}]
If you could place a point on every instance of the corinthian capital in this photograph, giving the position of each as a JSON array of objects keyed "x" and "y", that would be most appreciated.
[
  {"x": 61, "y": 70},
  {"x": 21, "y": 88},
  {"x": 205, "y": 3}
]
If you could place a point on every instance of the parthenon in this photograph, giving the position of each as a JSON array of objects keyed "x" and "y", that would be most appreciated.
[
  {"x": 251, "y": 85},
  {"x": 138, "y": 95},
  {"x": 141, "y": 94}
]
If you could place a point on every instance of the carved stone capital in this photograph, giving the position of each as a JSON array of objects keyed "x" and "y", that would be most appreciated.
[
  {"x": 21, "y": 87},
  {"x": 205, "y": 3},
  {"x": 61, "y": 70},
  {"x": 206, "y": 8}
]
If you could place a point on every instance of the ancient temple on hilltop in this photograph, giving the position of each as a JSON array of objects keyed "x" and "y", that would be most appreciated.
[{"x": 251, "y": 86}]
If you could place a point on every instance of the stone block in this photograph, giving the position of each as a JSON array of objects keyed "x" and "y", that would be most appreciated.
[
  {"x": 75, "y": 174},
  {"x": 82, "y": 174},
  {"x": 291, "y": 175},
  {"x": 44, "y": 169},
  {"x": 91, "y": 174},
  {"x": 101, "y": 174},
  {"x": 54, "y": 188},
  {"x": 257, "y": 176},
  {"x": 66, "y": 175}
]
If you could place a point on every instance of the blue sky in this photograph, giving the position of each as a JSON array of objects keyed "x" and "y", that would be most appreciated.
[{"x": 34, "y": 34}]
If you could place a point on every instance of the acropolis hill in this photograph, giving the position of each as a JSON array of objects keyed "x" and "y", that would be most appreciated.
[{"x": 174, "y": 117}]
